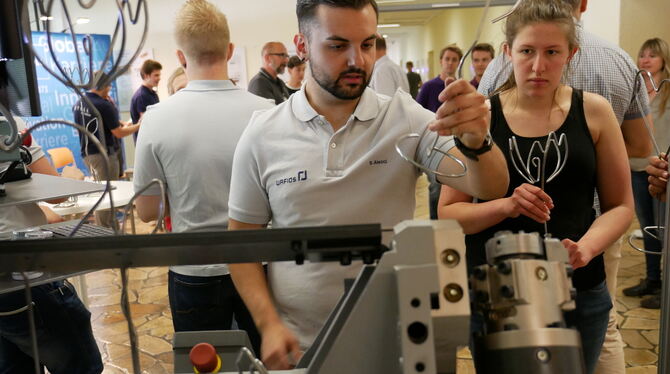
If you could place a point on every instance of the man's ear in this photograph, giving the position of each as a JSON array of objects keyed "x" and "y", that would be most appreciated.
[
  {"x": 301, "y": 46},
  {"x": 231, "y": 49},
  {"x": 182, "y": 58}
]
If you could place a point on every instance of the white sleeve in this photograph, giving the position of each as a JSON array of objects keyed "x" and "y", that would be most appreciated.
[
  {"x": 383, "y": 81},
  {"x": 147, "y": 162},
  {"x": 248, "y": 201}
]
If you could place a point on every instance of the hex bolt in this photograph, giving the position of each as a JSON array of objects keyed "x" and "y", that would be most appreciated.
[
  {"x": 507, "y": 291},
  {"x": 504, "y": 268},
  {"x": 479, "y": 273}
]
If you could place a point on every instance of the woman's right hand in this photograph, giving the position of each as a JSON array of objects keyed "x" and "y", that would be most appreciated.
[{"x": 530, "y": 201}]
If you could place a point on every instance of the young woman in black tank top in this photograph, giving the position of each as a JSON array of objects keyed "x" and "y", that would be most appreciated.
[{"x": 540, "y": 43}]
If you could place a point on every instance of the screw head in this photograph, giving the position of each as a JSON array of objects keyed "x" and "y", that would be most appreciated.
[
  {"x": 542, "y": 355},
  {"x": 453, "y": 292},
  {"x": 450, "y": 258}
]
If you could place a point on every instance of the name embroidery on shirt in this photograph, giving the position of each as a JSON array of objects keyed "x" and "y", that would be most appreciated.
[
  {"x": 378, "y": 162},
  {"x": 302, "y": 176}
]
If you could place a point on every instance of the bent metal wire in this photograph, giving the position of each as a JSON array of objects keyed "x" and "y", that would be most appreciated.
[
  {"x": 655, "y": 231},
  {"x": 534, "y": 168},
  {"x": 86, "y": 81},
  {"x": 434, "y": 147}
]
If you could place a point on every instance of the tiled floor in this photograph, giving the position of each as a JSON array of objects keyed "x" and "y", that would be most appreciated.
[{"x": 151, "y": 316}]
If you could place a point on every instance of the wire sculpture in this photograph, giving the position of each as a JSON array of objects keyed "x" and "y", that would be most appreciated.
[
  {"x": 534, "y": 168},
  {"x": 434, "y": 147},
  {"x": 83, "y": 79},
  {"x": 654, "y": 231}
]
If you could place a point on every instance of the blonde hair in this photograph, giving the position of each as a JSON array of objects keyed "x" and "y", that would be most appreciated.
[
  {"x": 532, "y": 12},
  {"x": 201, "y": 31},
  {"x": 660, "y": 48}
]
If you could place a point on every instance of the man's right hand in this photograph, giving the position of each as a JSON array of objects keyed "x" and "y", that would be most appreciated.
[
  {"x": 279, "y": 349},
  {"x": 658, "y": 176}
]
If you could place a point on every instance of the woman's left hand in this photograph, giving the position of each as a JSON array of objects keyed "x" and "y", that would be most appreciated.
[{"x": 579, "y": 255}]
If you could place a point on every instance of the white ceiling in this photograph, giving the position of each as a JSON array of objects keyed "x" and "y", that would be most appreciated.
[{"x": 420, "y": 12}]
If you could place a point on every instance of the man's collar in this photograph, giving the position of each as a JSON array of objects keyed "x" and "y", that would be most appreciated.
[
  {"x": 268, "y": 75},
  {"x": 367, "y": 108},
  {"x": 200, "y": 85}
]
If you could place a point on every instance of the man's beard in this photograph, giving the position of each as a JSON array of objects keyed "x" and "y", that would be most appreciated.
[
  {"x": 338, "y": 90},
  {"x": 280, "y": 69}
]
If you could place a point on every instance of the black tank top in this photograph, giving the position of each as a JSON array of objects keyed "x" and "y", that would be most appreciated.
[{"x": 571, "y": 190}]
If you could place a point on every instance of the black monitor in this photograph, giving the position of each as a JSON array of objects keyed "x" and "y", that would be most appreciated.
[{"x": 18, "y": 80}]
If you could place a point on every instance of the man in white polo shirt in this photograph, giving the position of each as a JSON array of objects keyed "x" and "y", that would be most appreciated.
[
  {"x": 187, "y": 141},
  {"x": 326, "y": 156}
]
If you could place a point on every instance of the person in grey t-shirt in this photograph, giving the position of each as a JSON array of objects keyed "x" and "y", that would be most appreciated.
[
  {"x": 327, "y": 156},
  {"x": 266, "y": 83},
  {"x": 187, "y": 141}
]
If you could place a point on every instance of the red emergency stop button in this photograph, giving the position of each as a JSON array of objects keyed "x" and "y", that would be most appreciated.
[{"x": 204, "y": 358}]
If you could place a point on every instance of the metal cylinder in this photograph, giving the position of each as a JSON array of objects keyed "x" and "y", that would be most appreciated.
[{"x": 522, "y": 297}]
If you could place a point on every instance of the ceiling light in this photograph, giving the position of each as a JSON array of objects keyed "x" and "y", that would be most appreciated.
[
  {"x": 447, "y": 5},
  {"x": 46, "y": 18},
  {"x": 385, "y": 36},
  {"x": 83, "y": 20},
  {"x": 388, "y": 25}
]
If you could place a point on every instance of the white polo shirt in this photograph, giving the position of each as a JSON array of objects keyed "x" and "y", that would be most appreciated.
[
  {"x": 291, "y": 168},
  {"x": 387, "y": 77},
  {"x": 188, "y": 141}
]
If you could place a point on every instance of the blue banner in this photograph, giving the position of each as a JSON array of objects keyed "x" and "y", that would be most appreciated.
[{"x": 57, "y": 99}]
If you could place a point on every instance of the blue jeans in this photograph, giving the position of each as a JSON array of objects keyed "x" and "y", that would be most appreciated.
[
  {"x": 209, "y": 303},
  {"x": 647, "y": 209},
  {"x": 64, "y": 336},
  {"x": 590, "y": 318}
]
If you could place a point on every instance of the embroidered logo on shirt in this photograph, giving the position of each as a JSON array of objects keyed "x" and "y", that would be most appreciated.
[
  {"x": 302, "y": 176},
  {"x": 378, "y": 162}
]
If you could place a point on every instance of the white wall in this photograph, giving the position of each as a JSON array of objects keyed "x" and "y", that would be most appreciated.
[
  {"x": 603, "y": 17},
  {"x": 252, "y": 23}
]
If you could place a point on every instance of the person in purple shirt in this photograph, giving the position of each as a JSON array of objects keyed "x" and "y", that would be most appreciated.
[
  {"x": 449, "y": 58},
  {"x": 482, "y": 55},
  {"x": 145, "y": 95}
]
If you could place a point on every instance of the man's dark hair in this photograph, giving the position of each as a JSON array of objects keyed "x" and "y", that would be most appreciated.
[
  {"x": 101, "y": 80},
  {"x": 485, "y": 47},
  {"x": 149, "y": 66},
  {"x": 380, "y": 43},
  {"x": 409, "y": 64},
  {"x": 294, "y": 61},
  {"x": 306, "y": 9},
  {"x": 453, "y": 48}
]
